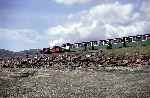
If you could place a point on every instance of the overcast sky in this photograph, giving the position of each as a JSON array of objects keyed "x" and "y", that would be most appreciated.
[{"x": 26, "y": 24}]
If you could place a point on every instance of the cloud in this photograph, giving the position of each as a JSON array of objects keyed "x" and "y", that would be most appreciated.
[
  {"x": 145, "y": 15},
  {"x": 102, "y": 21},
  {"x": 146, "y": 9},
  {"x": 20, "y": 39},
  {"x": 99, "y": 22},
  {"x": 71, "y": 2},
  {"x": 24, "y": 35}
]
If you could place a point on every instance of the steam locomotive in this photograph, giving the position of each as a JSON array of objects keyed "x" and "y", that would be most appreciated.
[{"x": 129, "y": 41}]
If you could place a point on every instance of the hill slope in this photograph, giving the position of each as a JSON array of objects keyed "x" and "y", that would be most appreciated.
[{"x": 7, "y": 53}]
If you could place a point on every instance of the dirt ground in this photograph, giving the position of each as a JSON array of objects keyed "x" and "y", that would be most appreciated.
[{"x": 45, "y": 83}]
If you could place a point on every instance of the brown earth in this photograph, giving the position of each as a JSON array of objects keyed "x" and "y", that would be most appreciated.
[{"x": 46, "y": 83}]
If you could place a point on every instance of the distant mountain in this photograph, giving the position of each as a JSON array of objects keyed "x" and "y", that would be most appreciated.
[
  {"x": 7, "y": 53},
  {"x": 31, "y": 51}
]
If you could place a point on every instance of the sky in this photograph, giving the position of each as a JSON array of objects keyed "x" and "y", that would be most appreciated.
[{"x": 30, "y": 24}]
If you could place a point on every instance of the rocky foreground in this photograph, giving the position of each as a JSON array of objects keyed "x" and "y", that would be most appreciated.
[
  {"x": 122, "y": 73},
  {"x": 76, "y": 60},
  {"x": 45, "y": 83}
]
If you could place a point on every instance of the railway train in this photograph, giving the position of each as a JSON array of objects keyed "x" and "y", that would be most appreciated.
[{"x": 128, "y": 41}]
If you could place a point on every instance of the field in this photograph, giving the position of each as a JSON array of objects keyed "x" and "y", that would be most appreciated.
[
  {"x": 143, "y": 47},
  {"x": 46, "y": 83},
  {"x": 106, "y": 82},
  {"x": 129, "y": 51}
]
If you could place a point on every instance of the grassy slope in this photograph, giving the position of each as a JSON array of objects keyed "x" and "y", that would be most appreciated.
[
  {"x": 129, "y": 51},
  {"x": 139, "y": 47}
]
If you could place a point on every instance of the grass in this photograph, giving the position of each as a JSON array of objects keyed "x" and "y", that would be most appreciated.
[
  {"x": 105, "y": 83},
  {"x": 75, "y": 84},
  {"x": 129, "y": 51},
  {"x": 132, "y": 48}
]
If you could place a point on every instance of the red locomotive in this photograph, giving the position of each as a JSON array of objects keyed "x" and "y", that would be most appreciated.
[{"x": 55, "y": 49}]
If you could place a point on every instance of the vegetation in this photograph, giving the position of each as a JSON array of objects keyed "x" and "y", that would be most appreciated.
[
  {"x": 129, "y": 51},
  {"x": 31, "y": 51},
  {"x": 7, "y": 53},
  {"x": 107, "y": 82},
  {"x": 74, "y": 84}
]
